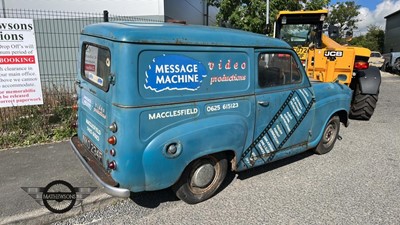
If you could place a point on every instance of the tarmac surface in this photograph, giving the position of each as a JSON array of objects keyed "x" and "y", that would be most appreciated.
[{"x": 37, "y": 166}]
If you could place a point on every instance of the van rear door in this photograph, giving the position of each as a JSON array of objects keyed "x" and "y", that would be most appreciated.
[{"x": 95, "y": 98}]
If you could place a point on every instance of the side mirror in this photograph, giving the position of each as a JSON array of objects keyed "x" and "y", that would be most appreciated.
[{"x": 333, "y": 31}]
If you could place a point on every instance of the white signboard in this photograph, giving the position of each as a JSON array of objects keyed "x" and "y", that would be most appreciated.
[{"x": 19, "y": 69}]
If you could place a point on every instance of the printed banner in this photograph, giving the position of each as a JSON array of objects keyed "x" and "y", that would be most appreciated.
[{"x": 19, "y": 69}]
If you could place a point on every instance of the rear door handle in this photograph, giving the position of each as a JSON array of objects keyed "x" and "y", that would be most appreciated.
[{"x": 263, "y": 103}]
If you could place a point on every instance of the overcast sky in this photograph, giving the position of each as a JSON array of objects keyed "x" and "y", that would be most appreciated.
[{"x": 372, "y": 12}]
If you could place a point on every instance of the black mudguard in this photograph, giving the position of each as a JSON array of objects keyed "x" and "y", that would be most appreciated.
[{"x": 369, "y": 80}]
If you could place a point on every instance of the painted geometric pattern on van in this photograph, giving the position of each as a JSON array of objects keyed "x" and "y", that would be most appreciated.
[{"x": 280, "y": 128}]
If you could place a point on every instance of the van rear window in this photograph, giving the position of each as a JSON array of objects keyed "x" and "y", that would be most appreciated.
[{"x": 96, "y": 65}]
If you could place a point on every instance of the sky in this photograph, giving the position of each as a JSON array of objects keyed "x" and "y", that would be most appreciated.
[{"x": 372, "y": 12}]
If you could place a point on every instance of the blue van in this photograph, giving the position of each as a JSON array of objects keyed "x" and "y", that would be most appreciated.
[{"x": 172, "y": 105}]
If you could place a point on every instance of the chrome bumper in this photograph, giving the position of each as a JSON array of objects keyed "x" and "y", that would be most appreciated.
[{"x": 96, "y": 171}]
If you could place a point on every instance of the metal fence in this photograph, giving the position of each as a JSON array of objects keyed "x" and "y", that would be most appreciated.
[{"x": 57, "y": 36}]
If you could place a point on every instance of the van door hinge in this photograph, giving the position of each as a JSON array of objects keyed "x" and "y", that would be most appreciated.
[
  {"x": 112, "y": 79},
  {"x": 78, "y": 84}
]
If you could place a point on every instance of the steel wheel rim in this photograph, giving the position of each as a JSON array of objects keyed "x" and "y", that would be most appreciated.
[{"x": 330, "y": 134}]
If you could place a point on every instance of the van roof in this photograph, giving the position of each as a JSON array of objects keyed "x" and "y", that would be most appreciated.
[{"x": 172, "y": 33}]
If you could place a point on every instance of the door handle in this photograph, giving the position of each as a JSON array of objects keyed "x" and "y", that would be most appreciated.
[{"x": 263, "y": 103}]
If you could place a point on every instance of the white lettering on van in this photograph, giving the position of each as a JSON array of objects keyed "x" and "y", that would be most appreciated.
[
  {"x": 86, "y": 101},
  {"x": 176, "y": 79},
  {"x": 93, "y": 130},
  {"x": 177, "y": 68},
  {"x": 173, "y": 113}
]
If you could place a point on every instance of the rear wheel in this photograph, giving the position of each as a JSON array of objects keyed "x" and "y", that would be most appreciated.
[
  {"x": 329, "y": 136},
  {"x": 363, "y": 105},
  {"x": 201, "y": 178}
]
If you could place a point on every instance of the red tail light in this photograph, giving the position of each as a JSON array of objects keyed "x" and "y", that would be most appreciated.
[
  {"x": 112, "y": 165},
  {"x": 74, "y": 125},
  {"x": 112, "y": 140},
  {"x": 360, "y": 65},
  {"x": 75, "y": 107}
]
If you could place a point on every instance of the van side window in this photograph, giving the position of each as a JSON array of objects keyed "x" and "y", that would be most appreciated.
[
  {"x": 277, "y": 69},
  {"x": 96, "y": 65}
]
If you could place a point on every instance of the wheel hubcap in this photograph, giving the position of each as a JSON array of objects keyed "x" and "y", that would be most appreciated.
[
  {"x": 329, "y": 134},
  {"x": 203, "y": 176}
]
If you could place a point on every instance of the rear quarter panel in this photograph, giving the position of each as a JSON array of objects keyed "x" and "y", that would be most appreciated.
[{"x": 331, "y": 98}]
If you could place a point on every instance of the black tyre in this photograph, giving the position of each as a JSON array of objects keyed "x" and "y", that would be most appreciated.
[
  {"x": 362, "y": 105},
  {"x": 329, "y": 136},
  {"x": 396, "y": 66},
  {"x": 201, "y": 178}
]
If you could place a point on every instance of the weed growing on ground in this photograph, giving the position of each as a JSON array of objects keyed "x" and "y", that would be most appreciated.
[{"x": 28, "y": 125}]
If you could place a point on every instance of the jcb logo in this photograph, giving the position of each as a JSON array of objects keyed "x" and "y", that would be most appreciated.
[{"x": 333, "y": 53}]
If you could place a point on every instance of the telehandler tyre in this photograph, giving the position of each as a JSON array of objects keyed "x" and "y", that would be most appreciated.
[{"x": 363, "y": 105}]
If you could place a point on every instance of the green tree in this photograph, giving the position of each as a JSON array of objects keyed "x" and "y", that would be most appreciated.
[
  {"x": 373, "y": 39},
  {"x": 316, "y": 4},
  {"x": 344, "y": 15},
  {"x": 250, "y": 15}
]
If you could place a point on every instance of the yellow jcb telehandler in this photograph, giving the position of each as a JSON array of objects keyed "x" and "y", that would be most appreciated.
[{"x": 324, "y": 59}]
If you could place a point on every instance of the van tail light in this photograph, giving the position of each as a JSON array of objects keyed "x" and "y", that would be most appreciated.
[
  {"x": 112, "y": 140},
  {"x": 112, "y": 165},
  {"x": 112, "y": 152},
  {"x": 74, "y": 124},
  {"x": 361, "y": 65},
  {"x": 75, "y": 107}
]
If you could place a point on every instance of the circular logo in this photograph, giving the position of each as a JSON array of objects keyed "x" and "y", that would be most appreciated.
[{"x": 59, "y": 196}]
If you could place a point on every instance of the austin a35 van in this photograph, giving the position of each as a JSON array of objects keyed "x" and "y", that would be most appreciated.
[{"x": 172, "y": 105}]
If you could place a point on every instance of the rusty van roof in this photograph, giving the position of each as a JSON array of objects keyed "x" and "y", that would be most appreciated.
[{"x": 172, "y": 33}]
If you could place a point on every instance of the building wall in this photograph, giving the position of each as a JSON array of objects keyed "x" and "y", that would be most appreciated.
[
  {"x": 392, "y": 33},
  {"x": 191, "y": 11}
]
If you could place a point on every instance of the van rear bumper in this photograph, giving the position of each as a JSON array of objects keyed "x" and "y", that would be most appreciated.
[{"x": 96, "y": 171}]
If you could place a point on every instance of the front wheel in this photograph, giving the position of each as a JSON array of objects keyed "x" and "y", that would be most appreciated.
[
  {"x": 329, "y": 136},
  {"x": 201, "y": 178}
]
